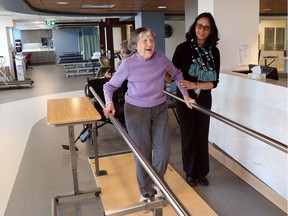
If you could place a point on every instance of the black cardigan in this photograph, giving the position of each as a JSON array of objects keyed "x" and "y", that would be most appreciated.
[{"x": 182, "y": 60}]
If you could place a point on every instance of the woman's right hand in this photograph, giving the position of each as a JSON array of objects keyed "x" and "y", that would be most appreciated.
[
  {"x": 109, "y": 109},
  {"x": 189, "y": 101}
]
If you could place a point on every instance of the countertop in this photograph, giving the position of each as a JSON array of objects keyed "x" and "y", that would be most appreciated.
[
  {"x": 245, "y": 76},
  {"x": 38, "y": 50}
]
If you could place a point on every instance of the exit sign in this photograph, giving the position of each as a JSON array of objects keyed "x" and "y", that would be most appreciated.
[{"x": 50, "y": 22}]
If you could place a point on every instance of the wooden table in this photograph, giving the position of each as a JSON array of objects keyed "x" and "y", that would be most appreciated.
[{"x": 70, "y": 112}]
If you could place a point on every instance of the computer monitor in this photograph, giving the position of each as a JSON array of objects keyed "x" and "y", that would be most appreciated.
[{"x": 271, "y": 72}]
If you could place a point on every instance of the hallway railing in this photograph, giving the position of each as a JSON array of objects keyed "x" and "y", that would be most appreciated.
[
  {"x": 170, "y": 196},
  {"x": 276, "y": 144}
]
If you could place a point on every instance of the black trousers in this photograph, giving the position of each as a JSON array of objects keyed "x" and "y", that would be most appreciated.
[{"x": 194, "y": 126}]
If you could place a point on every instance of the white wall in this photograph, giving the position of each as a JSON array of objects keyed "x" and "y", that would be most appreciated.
[
  {"x": 238, "y": 24},
  {"x": 177, "y": 37}
]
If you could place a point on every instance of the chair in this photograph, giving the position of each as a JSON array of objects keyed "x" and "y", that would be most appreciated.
[
  {"x": 105, "y": 68},
  {"x": 172, "y": 87},
  {"x": 97, "y": 84},
  {"x": 28, "y": 60}
]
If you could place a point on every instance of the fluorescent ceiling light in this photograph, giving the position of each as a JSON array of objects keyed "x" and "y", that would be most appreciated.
[
  {"x": 62, "y": 3},
  {"x": 162, "y": 7},
  {"x": 37, "y": 22},
  {"x": 98, "y": 6},
  {"x": 176, "y": 18}
]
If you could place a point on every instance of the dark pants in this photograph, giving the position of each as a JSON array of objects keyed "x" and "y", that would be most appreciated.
[{"x": 194, "y": 127}]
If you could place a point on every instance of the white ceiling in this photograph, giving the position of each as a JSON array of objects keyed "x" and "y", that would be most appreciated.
[{"x": 30, "y": 19}]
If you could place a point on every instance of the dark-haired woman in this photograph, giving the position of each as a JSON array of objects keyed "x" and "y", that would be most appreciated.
[{"x": 199, "y": 60}]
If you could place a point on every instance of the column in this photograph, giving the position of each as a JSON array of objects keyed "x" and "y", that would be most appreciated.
[
  {"x": 191, "y": 12},
  {"x": 154, "y": 21}
]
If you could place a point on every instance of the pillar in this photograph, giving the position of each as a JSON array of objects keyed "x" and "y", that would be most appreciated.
[
  {"x": 191, "y": 12},
  {"x": 154, "y": 21}
]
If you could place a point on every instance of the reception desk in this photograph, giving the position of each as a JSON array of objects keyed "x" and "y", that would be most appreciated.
[{"x": 260, "y": 105}]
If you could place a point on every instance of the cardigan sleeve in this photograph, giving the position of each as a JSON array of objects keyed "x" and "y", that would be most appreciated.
[{"x": 216, "y": 55}]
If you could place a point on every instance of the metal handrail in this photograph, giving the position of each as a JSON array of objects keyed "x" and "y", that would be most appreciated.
[
  {"x": 160, "y": 183},
  {"x": 272, "y": 142}
]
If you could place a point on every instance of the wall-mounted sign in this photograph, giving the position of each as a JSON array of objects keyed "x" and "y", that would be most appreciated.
[{"x": 50, "y": 22}]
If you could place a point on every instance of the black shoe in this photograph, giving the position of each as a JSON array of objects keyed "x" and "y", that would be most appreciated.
[
  {"x": 191, "y": 181},
  {"x": 203, "y": 180}
]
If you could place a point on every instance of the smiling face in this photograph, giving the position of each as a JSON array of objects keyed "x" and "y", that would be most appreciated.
[
  {"x": 202, "y": 30},
  {"x": 146, "y": 44}
]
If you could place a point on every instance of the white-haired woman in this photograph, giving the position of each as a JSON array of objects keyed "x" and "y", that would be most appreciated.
[{"x": 145, "y": 108}]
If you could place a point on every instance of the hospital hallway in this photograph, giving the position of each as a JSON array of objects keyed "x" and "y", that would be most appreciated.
[{"x": 34, "y": 166}]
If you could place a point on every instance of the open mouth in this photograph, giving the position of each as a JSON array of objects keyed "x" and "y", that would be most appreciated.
[{"x": 149, "y": 51}]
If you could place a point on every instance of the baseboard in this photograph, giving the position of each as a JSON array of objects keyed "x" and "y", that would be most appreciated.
[{"x": 248, "y": 177}]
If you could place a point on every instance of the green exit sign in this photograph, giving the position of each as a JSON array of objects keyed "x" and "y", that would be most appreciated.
[{"x": 50, "y": 22}]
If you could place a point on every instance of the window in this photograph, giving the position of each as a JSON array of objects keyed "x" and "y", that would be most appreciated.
[
  {"x": 269, "y": 39},
  {"x": 274, "y": 40},
  {"x": 280, "y": 33}
]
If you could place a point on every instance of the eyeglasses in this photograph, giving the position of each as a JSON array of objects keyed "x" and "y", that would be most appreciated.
[{"x": 204, "y": 27}]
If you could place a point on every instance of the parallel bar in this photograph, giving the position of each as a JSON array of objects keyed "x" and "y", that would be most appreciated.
[
  {"x": 276, "y": 144},
  {"x": 143, "y": 206},
  {"x": 160, "y": 183}
]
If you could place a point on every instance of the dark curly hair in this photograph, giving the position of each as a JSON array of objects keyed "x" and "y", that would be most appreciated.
[{"x": 213, "y": 38}]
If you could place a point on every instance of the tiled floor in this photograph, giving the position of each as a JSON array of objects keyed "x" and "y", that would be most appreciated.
[{"x": 34, "y": 167}]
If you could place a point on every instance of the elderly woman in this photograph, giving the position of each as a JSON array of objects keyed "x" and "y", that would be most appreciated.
[
  {"x": 145, "y": 108},
  {"x": 125, "y": 52}
]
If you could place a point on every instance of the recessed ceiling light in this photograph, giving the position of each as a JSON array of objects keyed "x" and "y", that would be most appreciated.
[
  {"x": 98, "y": 6},
  {"x": 267, "y": 9},
  {"x": 37, "y": 22},
  {"x": 162, "y": 7},
  {"x": 62, "y": 3}
]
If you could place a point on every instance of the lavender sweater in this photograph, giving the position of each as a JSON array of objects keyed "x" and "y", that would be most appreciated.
[{"x": 145, "y": 80}]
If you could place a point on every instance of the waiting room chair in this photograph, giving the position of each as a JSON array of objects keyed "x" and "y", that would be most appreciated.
[{"x": 28, "y": 61}]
